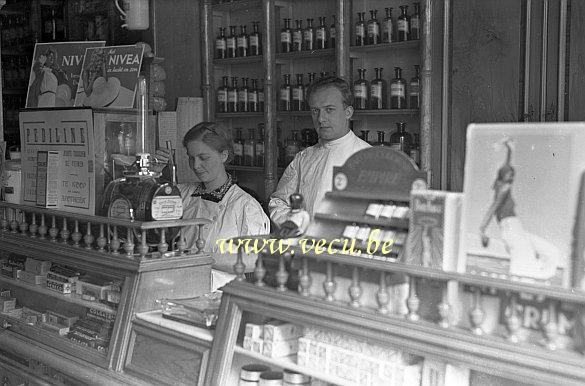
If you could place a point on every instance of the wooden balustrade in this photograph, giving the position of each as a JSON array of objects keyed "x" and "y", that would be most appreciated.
[{"x": 138, "y": 239}]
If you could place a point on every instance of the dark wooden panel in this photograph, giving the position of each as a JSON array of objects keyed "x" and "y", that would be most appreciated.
[
  {"x": 577, "y": 61},
  {"x": 486, "y": 44}
]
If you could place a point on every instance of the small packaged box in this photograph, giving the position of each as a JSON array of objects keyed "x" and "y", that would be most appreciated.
[
  {"x": 7, "y": 304},
  {"x": 280, "y": 348},
  {"x": 59, "y": 329},
  {"x": 254, "y": 331},
  {"x": 61, "y": 287},
  {"x": 279, "y": 331},
  {"x": 31, "y": 278},
  {"x": 39, "y": 267},
  {"x": 61, "y": 318},
  {"x": 254, "y": 345}
]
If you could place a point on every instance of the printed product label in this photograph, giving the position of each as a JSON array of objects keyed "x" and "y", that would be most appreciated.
[
  {"x": 373, "y": 29},
  {"x": 360, "y": 91},
  {"x": 285, "y": 95},
  {"x": 254, "y": 41},
  {"x": 403, "y": 25},
  {"x": 285, "y": 37},
  {"x": 249, "y": 150},
  {"x": 252, "y": 97},
  {"x": 167, "y": 208},
  {"x": 242, "y": 96},
  {"x": 297, "y": 94},
  {"x": 414, "y": 23},
  {"x": 359, "y": 30},
  {"x": 297, "y": 37},
  {"x": 220, "y": 44},
  {"x": 238, "y": 149},
  {"x": 231, "y": 43},
  {"x": 261, "y": 97},
  {"x": 376, "y": 91},
  {"x": 222, "y": 96},
  {"x": 242, "y": 43},
  {"x": 308, "y": 35},
  {"x": 320, "y": 34},
  {"x": 260, "y": 149},
  {"x": 387, "y": 211},
  {"x": 374, "y": 210},
  {"x": 232, "y": 96},
  {"x": 397, "y": 90}
]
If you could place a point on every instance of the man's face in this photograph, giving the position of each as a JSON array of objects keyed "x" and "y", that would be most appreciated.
[{"x": 330, "y": 117}]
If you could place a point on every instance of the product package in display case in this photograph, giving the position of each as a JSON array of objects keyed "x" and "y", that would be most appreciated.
[
  {"x": 520, "y": 200},
  {"x": 201, "y": 311}
]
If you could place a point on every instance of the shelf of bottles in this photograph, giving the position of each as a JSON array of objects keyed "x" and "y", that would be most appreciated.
[{"x": 379, "y": 48}]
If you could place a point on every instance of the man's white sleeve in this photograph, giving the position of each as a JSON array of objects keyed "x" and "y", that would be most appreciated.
[{"x": 279, "y": 205}]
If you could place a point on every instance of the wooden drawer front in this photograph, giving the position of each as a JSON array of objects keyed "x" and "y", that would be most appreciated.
[{"x": 164, "y": 359}]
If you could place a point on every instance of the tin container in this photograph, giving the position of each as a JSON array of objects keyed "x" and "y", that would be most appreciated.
[
  {"x": 271, "y": 378},
  {"x": 250, "y": 374},
  {"x": 292, "y": 378}
]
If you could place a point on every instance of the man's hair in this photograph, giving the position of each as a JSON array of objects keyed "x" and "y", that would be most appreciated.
[{"x": 332, "y": 81}]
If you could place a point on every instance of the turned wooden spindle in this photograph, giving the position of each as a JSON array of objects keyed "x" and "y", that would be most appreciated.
[
  {"x": 129, "y": 244},
  {"x": 143, "y": 247},
  {"x": 102, "y": 241},
  {"x": 4, "y": 220},
  {"x": 476, "y": 315},
  {"x": 550, "y": 328},
  {"x": 43, "y": 228},
  {"x": 89, "y": 237},
  {"x": 200, "y": 243},
  {"x": 162, "y": 246},
  {"x": 76, "y": 236},
  {"x": 329, "y": 284},
  {"x": 413, "y": 302},
  {"x": 305, "y": 279},
  {"x": 65, "y": 233},
  {"x": 444, "y": 308},
  {"x": 382, "y": 296},
  {"x": 513, "y": 322},
  {"x": 259, "y": 270},
  {"x": 53, "y": 230},
  {"x": 23, "y": 225},
  {"x": 115, "y": 241},
  {"x": 33, "y": 226},
  {"x": 282, "y": 274},
  {"x": 239, "y": 266},
  {"x": 181, "y": 243},
  {"x": 14, "y": 222},
  {"x": 355, "y": 289}
]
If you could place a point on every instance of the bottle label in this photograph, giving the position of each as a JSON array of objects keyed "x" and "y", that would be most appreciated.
[
  {"x": 261, "y": 96},
  {"x": 252, "y": 97},
  {"x": 238, "y": 149},
  {"x": 414, "y": 23},
  {"x": 376, "y": 91},
  {"x": 403, "y": 25},
  {"x": 321, "y": 34},
  {"x": 242, "y": 42},
  {"x": 309, "y": 35},
  {"x": 387, "y": 28},
  {"x": 285, "y": 95},
  {"x": 285, "y": 37},
  {"x": 232, "y": 96},
  {"x": 260, "y": 149},
  {"x": 220, "y": 44},
  {"x": 359, "y": 30},
  {"x": 242, "y": 96},
  {"x": 222, "y": 96},
  {"x": 249, "y": 149},
  {"x": 373, "y": 29},
  {"x": 297, "y": 37},
  {"x": 360, "y": 91},
  {"x": 231, "y": 43},
  {"x": 332, "y": 33},
  {"x": 397, "y": 90},
  {"x": 297, "y": 94},
  {"x": 254, "y": 41}
]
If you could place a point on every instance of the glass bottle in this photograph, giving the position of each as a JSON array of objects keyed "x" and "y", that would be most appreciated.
[
  {"x": 365, "y": 134},
  {"x": 298, "y": 94},
  {"x": 332, "y": 33},
  {"x": 378, "y": 91},
  {"x": 291, "y": 148},
  {"x": 415, "y": 150},
  {"x": 360, "y": 34},
  {"x": 243, "y": 42},
  {"x": 401, "y": 139},
  {"x": 255, "y": 40},
  {"x": 414, "y": 89},
  {"x": 311, "y": 77},
  {"x": 222, "y": 96},
  {"x": 249, "y": 148},
  {"x": 259, "y": 150},
  {"x": 238, "y": 148},
  {"x": 321, "y": 35},
  {"x": 285, "y": 37},
  {"x": 285, "y": 94},
  {"x": 381, "y": 141},
  {"x": 233, "y": 96},
  {"x": 398, "y": 90},
  {"x": 403, "y": 24},
  {"x": 243, "y": 96},
  {"x": 360, "y": 90},
  {"x": 253, "y": 105},
  {"x": 260, "y": 95},
  {"x": 231, "y": 42},
  {"x": 297, "y": 37},
  {"x": 309, "y": 36},
  {"x": 388, "y": 27},
  {"x": 220, "y": 45},
  {"x": 373, "y": 28},
  {"x": 415, "y": 23}
]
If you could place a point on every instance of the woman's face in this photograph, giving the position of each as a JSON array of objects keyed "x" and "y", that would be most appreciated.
[{"x": 206, "y": 162}]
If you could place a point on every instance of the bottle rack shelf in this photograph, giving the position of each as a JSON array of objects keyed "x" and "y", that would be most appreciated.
[
  {"x": 282, "y": 58},
  {"x": 238, "y": 60},
  {"x": 385, "y": 112},
  {"x": 356, "y": 50},
  {"x": 236, "y": 5},
  {"x": 239, "y": 115}
]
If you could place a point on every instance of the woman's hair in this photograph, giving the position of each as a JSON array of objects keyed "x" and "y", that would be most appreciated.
[
  {"x": 335, "y": 82},
  {"x": 213, "y": 135}
]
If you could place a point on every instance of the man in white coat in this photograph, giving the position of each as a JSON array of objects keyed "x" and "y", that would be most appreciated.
[{"x": 311, "y": 171}]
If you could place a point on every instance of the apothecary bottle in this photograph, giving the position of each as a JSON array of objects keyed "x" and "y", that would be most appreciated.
[
  {"x": 403, "y": 24},
  {"x": 360, "y": 90},
  {"x": 243, "y": 42},
  {"x": 401, "y": 139},
  {"x": 398, "y": 90},
  {"x": 297, "y": 36},
  {"x": 321, "y": 35},
  {"x": 332, "y": 33},
  {"x": 414, "y": 89},
  {"x": 373, "y": 28},
  {"x": 222, "y": 96},
  {"x": 388, "y": 27},
  {"x": 381, "y": 139},
  {"x": 253, "y": 97},
  {"x": 243, "y": 96},
  {"x": 364, "y": 135},
  {"x": 238, "y": 148},
  {"x": 415, "y": 23},
  {"x": 311, "y": 76},
  {"x": 255, "y": 40},
  {"x": 309, "y": 36},
  {"x": 221, "y": 45},
  {"x": 360, "y": 33},
  {"x": 249, "y": 148},
  {"x": 259, "y": 150},
  {"x": 260, "y": 95},
  {"x": 285, "y": 37},
  {"x": 291, "y": 148},
  {"x": 378, "y": 91},
  {"x": 231, "y": 43},
  {"x": 415, "y": 150},
  {"x": 285, "y": 94},
  {"x": 298, "y": 94},
  {"x": 233, "y": 96}
]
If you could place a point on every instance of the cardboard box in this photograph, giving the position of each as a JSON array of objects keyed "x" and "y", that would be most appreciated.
[
  {"x": 31, "y": 278},
  {"x": 281, "y": 348},
  {"x": 279, "y": 331},
  {"x": 40, "y": 267}
]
